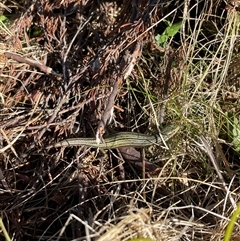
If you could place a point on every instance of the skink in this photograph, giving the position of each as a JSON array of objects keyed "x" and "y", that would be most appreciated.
[{"x": 121, "y": 139}]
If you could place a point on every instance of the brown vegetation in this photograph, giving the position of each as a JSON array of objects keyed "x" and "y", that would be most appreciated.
[{"x": 77, "y": 68}]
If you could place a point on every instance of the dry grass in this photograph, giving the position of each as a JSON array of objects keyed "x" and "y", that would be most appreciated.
[{"x": 79, "y": 193}]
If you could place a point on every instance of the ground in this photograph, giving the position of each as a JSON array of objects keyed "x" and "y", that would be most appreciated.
[{"x": 91, "y": 69}]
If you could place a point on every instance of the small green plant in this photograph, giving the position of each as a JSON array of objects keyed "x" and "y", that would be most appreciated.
[
  {"x": 169, "y": 32},
  {"x": 233, "y": 131},
  {"x": 4, "y": 24},
  {"x": 229, "y": 229},
  {"x": 4, "y": 20}
]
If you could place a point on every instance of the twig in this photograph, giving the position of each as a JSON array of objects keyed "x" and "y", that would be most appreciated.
[
  {"x": 108, "y": 111},
  {"x": 8, "y": 142},
  {"x": 81, "y": 26},
  {"x": 126, "y": 66},
  {"x": 31, "y": 62},
  {"x": 166, "y": 86},
  {"x": 208, "y": 150}
]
